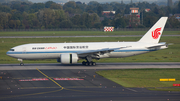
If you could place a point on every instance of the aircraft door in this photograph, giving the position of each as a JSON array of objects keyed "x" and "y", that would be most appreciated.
[{"x": 24, "y": 50}]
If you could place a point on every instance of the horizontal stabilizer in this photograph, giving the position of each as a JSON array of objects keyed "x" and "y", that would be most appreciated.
[{"x": 158, "y": 46}]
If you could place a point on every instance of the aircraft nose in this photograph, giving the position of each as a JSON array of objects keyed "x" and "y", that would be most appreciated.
[{"x": 8, "y": 53}]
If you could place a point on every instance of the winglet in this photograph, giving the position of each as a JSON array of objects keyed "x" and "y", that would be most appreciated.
[{"x": 154, "y": 34}]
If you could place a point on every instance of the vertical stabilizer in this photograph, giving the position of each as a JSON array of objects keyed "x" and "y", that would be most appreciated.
[{"x": 154, "y": 34}]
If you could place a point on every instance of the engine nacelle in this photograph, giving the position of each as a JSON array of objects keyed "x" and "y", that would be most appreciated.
[{"x": 68, "y": 58}]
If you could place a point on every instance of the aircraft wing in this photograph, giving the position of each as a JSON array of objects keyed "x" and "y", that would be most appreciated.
[{"x": 104, "y": 50}]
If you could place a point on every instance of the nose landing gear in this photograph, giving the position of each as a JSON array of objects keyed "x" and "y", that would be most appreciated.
[
  {"x": 21, "y": 64},
  {"x": 21, "y": 60}
]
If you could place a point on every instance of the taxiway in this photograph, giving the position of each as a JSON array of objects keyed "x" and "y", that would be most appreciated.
[
  {"x": 98, "y": 66},
  {"x": 44, "y": 82}
]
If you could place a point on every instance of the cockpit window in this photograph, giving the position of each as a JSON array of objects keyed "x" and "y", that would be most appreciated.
[{"x": 11, "y": 50}]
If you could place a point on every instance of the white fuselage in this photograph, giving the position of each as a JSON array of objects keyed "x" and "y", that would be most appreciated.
[{"x": 53, "y": 50}]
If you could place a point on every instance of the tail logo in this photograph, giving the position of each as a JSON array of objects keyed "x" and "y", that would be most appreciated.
[{"x": 156, "y": 33}]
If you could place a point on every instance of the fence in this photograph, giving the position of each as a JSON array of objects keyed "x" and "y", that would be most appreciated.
[{"x": 87, "y": 29}]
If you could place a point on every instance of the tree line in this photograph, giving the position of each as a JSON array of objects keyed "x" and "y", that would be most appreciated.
[{"x": 50, "y": 15}]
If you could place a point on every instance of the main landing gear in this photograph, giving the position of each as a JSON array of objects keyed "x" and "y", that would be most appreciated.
[
  {"x": 21, "y": 60},
  {"x": 89, "y": 62}
]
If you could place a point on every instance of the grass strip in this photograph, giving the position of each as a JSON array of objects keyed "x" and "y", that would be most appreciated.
[
  {"x": 148, "y": 78},
  {"x": 79, "y": 33}
]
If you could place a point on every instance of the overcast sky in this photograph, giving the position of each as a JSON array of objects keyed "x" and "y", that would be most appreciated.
[{"x": 90, "y": 0}]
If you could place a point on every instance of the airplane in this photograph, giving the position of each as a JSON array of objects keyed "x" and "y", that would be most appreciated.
[{"x": 70, "y": 53}]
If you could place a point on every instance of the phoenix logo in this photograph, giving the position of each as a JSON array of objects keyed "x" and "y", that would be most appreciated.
[{"x": 156, "y": 33}]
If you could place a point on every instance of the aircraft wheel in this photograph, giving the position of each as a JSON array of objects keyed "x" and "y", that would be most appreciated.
[
  {"x": 90, "y": 63},
  {"x": 83, "y": 63},
  {"x": 21, "y": 64},
  {"x": 93, "y": 63},
  {"x": 86, "y": 63}
]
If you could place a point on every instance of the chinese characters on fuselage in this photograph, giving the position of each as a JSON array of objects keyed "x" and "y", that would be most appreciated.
[{"x": 75, "y": 47}]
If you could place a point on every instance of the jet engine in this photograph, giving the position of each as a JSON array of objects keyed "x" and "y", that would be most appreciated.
[{"x": 68, "y": 58}]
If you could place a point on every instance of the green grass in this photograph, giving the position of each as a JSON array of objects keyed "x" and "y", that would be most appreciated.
[
  {"x": 79, "y": 33},
  {"x": 172, "y": 54},
  {"x": 148, "y": 78}
]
